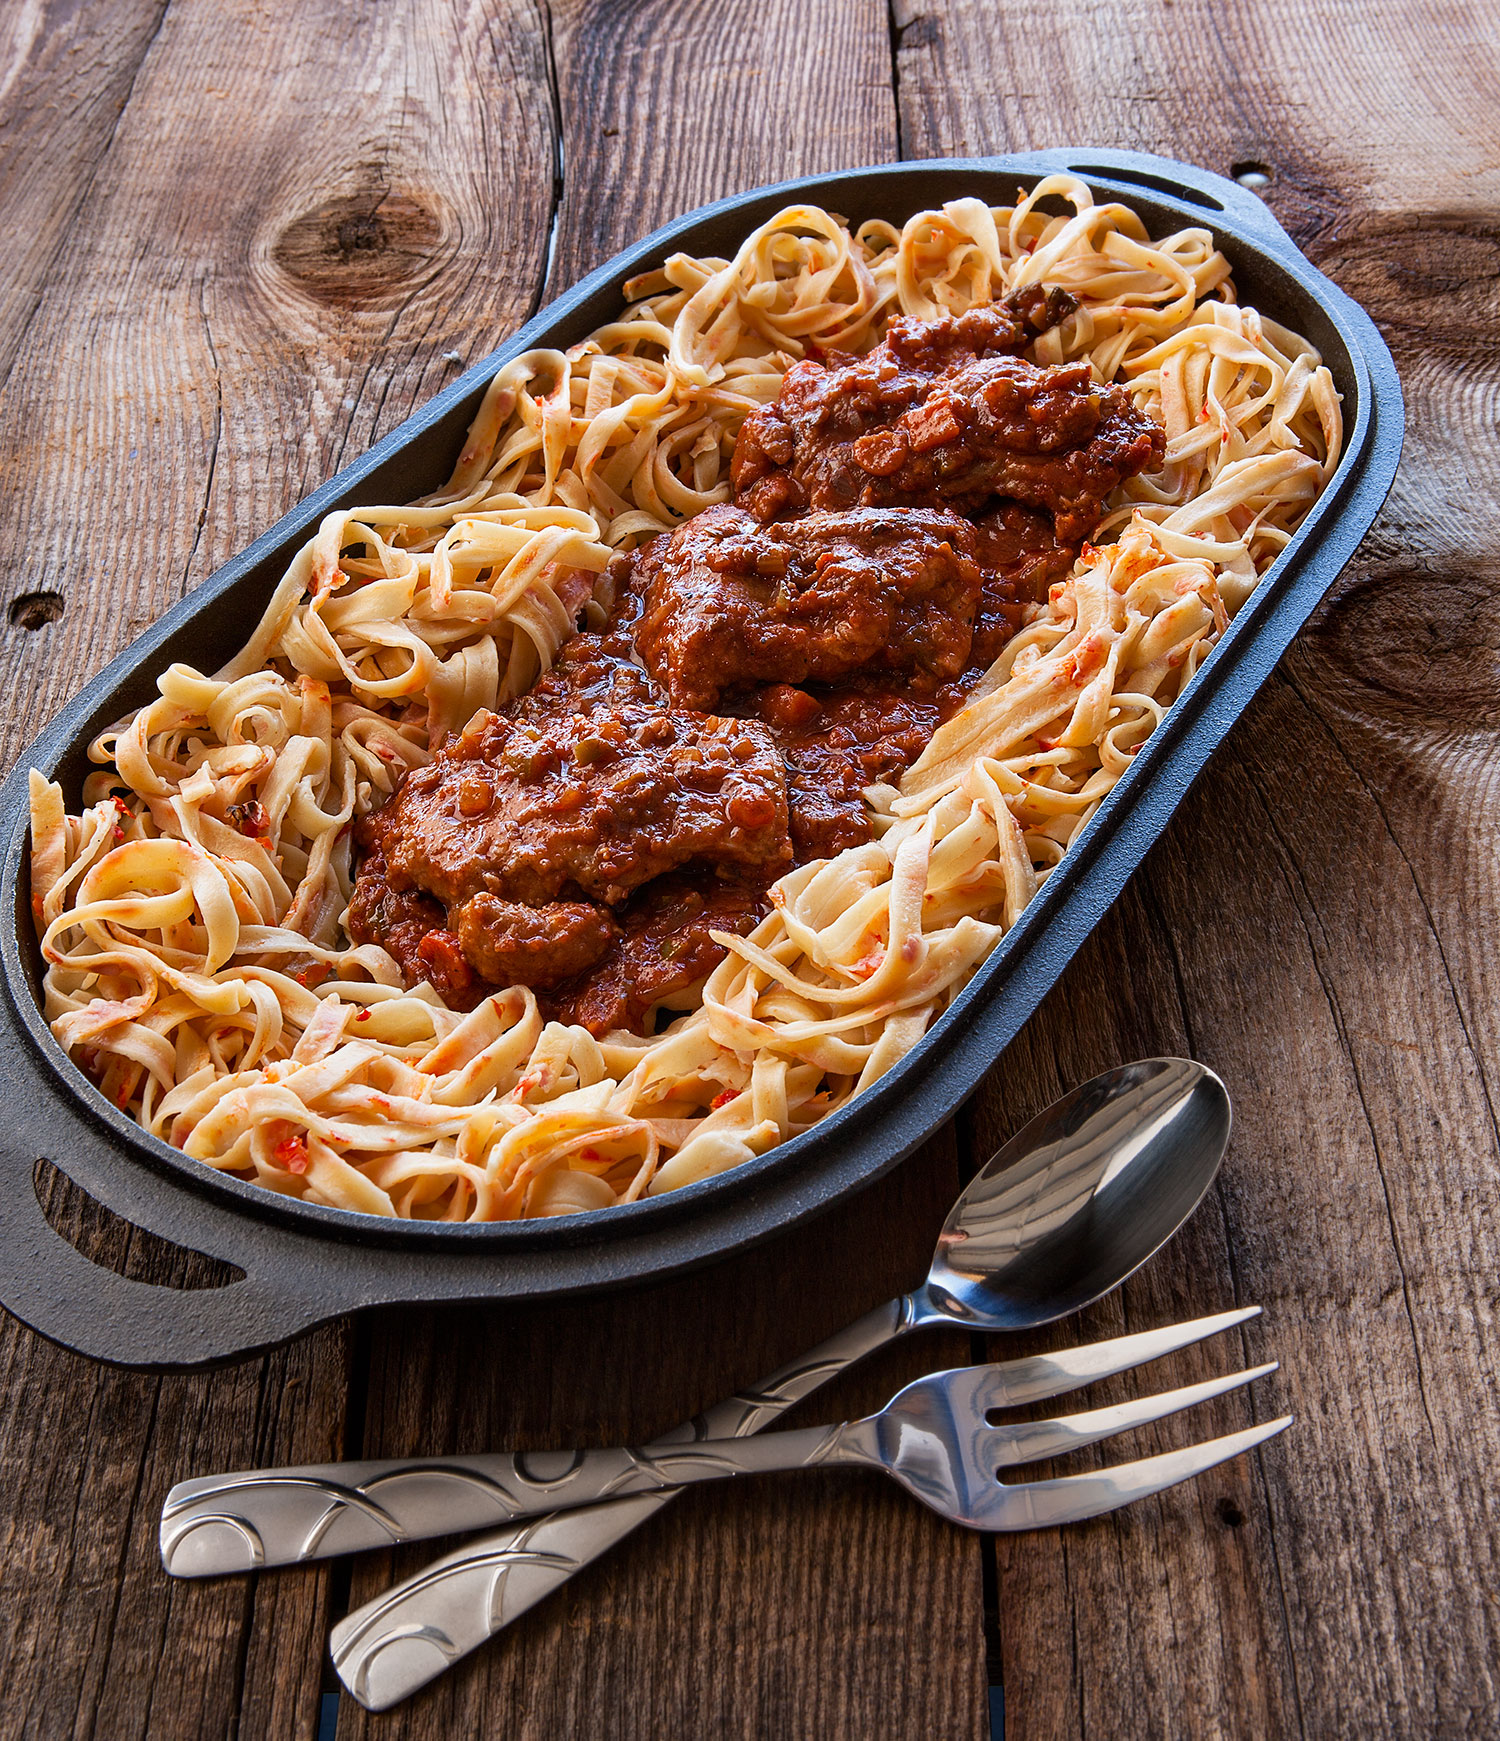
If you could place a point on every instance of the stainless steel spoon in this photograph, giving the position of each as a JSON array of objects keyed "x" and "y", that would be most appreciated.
[{"x": 1074, "y": 1203}]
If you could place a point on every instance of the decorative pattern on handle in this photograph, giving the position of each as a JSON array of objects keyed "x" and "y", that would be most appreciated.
[
  {"x": 392, "y": 1646},
  {"x": 277, "y": 1517}
]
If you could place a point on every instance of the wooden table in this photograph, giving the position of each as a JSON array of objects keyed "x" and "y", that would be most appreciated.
[{"x": 241, "y": 242}]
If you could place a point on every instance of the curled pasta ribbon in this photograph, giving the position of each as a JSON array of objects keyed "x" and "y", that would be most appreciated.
[
  {"x": 191, "y": 910},
  {"x": 799, "y": 275}
]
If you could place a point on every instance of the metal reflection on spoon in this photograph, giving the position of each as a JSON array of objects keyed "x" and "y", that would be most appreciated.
[{"x": 1081, "y": 1196}]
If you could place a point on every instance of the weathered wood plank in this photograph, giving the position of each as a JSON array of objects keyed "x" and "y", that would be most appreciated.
[
  {"x": 257, "y": 265},
  {"x": 65, "y": 76},
  {"x": 1351, "y": 107},
  {"x": 94, "y": 1640},
  {"x": 673, "y": 103},
  {"x": 1316, "y": 924}
]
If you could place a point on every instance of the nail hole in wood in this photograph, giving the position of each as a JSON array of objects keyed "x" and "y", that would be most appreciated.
[
  {"x": 34, "y": 610},
  {"x": 108, "y": 1240},
  {"x": 1230, "y": 1514}
]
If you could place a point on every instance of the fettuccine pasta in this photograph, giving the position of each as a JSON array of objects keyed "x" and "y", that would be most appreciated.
[{"x": 191, "y": 912}]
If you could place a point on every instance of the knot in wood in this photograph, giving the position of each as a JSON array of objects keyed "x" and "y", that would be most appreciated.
[{"x": 362, "y": 249}]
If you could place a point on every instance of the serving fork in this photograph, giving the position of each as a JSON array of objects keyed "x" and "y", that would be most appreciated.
[
  {"x": 935, "y": 1439},
  {"x": 932, "y": 1437}
]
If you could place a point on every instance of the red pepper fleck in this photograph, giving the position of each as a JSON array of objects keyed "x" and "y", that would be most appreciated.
[
  {"x": 291, "y": 1151},
  {"x": 363, "y": 1016},
  {"x": 724, "y": 1098},
  {"x": 590, "y": 1154},
  {"x": 252, "y": 819}
]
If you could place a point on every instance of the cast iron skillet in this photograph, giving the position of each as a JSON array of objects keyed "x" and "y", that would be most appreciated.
[{"x": 304, "y": 1264}]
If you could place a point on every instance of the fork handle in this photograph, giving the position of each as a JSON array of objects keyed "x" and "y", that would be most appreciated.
[{"x": 274, "y": 1517}]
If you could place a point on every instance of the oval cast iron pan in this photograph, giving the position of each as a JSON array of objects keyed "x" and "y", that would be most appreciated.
[{"x": 304, "y": 1264}]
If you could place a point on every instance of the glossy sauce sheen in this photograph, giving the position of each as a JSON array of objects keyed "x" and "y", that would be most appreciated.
[{"x": 761, "y": 667}]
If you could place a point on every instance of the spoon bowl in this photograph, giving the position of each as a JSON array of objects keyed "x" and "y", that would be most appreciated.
[{"x": 1080, "y": 1197}]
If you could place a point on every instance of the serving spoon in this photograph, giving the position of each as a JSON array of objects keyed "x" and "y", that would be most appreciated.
[{"x": 1075, "y": 1202}]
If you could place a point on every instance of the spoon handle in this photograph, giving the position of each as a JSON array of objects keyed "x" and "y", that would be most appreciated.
[{"x": 405, "y": 1638}]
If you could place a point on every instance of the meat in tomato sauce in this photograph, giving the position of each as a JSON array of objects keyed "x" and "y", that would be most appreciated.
[
  {"x": 762, "y": 667},
  {"x": 835, "y": 743},
  {"x": 926, "y": 419},
  {"x": 729, "y": 603}
]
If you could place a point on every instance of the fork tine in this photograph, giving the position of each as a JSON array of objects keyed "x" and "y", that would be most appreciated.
[
  {"x": 1030, "y": 1441},
  {"x": 1039, "y": 1376},
  {"x": 1071, "y": 1498}
]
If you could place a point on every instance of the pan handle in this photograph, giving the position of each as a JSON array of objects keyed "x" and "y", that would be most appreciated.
[
  {"x": 57, "y": 1291},
  {"x": 1213, "y": 195}
]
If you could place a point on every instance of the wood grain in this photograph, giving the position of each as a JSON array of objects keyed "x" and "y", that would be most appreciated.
[
  {"x": 672, "y": 103},
  {"x": 244, "y": 241},
  {"x": 66, "y": 74}
]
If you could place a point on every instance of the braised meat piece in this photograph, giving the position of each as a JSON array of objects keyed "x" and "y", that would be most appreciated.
[
  {"x": 514, "y": 843},
  {"x": 729, "y": 602},
  {"x": 790, "y": 455},
  {"x": 945, "y": 413},
  {"x": 509, "y": 943},
  {"x": 1050, "y": 437},
  {"x": 528, "y": 808},
  {"x": 663, "y": 948},
  {"x": 412, "y": 927},
  {"x": 992, "y": 329},
  {"x": 835, "y": 744}
]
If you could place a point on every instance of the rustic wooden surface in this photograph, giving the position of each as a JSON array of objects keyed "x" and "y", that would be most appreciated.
[{"x": 243, "y": 240}]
